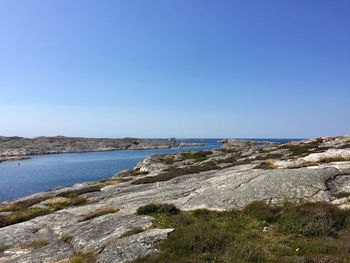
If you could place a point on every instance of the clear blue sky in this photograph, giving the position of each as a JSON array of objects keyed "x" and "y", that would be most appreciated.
[{"x": 185, "y": 68}]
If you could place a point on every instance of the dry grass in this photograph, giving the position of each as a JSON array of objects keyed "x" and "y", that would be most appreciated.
[
  {"x": 83, "y": 257},
  {"x": 3, "y": 248},
  {"x": 38, "y": 243},
  {"x": 133, "y": 232},
  {"x": 342, "y": 195},
  {"x": 73, "y": 200},
  {"x": 169, "y": 174},
  {"x": 268, "y": 164},
  {"x": 85, "y": 190},
  {"x": 100, "y": 212},
  {"x": 22, "y": 215},
  {"x": 25, "y": 213},
  {"x": 20, "y": 205},
  {"x": 334, "y": 159},
  {"x": 66, "y": 238}
]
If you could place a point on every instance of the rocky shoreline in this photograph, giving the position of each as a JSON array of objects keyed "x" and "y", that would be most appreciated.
[
  {"x": 19, "y": 148},
  {"x": 99, "y": 218}
]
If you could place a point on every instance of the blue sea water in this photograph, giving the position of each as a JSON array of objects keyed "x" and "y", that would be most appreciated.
[{"x": 44, "y": 172}]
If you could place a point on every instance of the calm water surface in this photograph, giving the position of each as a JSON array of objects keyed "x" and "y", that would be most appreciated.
[{"x": 44, "y": 172}]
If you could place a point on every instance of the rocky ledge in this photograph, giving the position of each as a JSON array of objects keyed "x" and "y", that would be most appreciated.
[
  {"x": 17, "y": 148},
  {"x": 99, "y": 219}
]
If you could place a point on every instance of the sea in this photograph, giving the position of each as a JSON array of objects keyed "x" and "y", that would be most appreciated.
[{"x": 44, "y": 172}]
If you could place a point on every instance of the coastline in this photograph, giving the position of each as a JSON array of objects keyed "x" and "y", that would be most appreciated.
[
  {"x": 19, "y": 148},
  {"x": 102, "y": 217}
]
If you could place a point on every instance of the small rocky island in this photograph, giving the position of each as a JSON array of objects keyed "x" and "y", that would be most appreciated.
[
  {"x": 17, "y": 148},
  {"x": 245, "y": 202}
]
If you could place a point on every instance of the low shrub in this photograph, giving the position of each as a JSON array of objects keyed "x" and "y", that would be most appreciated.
[
  {"x": 262, "y": 211},
  {"x": 249, "y": 235},
  {"x": 150, "y": 209},
  {"x": 313, "y": 219}
]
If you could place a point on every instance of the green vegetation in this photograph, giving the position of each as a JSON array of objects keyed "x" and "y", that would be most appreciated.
[
  {"x": 197, "y": 156},
  {"x": 21, "y": 212},
  {"x": 152, "y": 209},
  {"x": 316, "y": 232},
  {"x": 171, "y": 173},
  {"x": 314, "y": 219},
  {"x": 167, "y": 160},
  {"x": 101, "y": 212}
]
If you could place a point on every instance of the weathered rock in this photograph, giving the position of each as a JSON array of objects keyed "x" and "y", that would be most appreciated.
[
  {"x": 136, "y": 246},
  {"x": 68, "y": 231}
]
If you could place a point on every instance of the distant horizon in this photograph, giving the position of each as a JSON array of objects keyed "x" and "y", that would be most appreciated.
[{"x": 168, "y": 137}]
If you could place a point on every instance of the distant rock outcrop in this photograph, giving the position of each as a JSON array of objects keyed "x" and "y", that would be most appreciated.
[{"x": 17, "y": 148}]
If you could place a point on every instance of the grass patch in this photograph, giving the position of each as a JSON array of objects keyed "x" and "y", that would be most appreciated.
[
  {"x": 22, "y": 215},
  {"x": 304, "y": 148},
  {"x": 342, "y": 195},
  {"x": 238, "y": 236},
  {"x": 20, "y": 205},
  {"x": 25, "y": 214},
  {"x": 87, "y": 257},
  {"x": 197, "y": 156},
  {"x": 37, "y": 243},
  {"x": 133, "y": 232},
  {"x": 66, "y": 238},
  {"x": 137, "y": 172},
  {"x": 72, "y": 200},
  {"x": 345, "y": 146},
  {"x": 171, "y": 173},
  {"x": 100, "y": 212},
  {"x": 3, "y": 248},
  {"x": 167, "y": 160},
  {"x": 85, "y": 190},
  {"x": 334, "y": 159}
]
